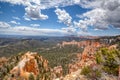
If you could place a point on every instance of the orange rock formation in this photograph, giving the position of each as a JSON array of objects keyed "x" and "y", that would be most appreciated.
[
  {"x": 87, "y": 56},
  {"x": 26, "y": 66}
]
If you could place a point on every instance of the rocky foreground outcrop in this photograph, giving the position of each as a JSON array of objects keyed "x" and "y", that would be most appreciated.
[
  {"x": 31, "y": 66},
  {"x": 28, "y": 65}
]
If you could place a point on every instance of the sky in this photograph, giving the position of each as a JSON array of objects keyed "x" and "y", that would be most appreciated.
[{"x": 60, "y": 17}]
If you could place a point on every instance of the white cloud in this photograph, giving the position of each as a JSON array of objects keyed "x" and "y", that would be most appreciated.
[
  {"x": 24, "y": 30},
  {"x": 17, "y": 18},
  {"x": 70, "y": 30},
  {"x": 6, "y": 28},
  {"x": 52, "y": 3},
  {"x": 103, "y": 14},
  {"x": 34, "y": 25},
  {"x": 18, "y": 2},
  {"x": 4, "y": 25},
  {"x": 90, "y": 3},
  {"x": 14, "y": 22},
  {"x": 63, "y": 16},
  {"x": 37, "y": 31},
  {"x": 27, "y": 19},
  {"x": 33, "y": 8},
  {"x": 92, "y": 18},
  {"x": 34, "y": 13}
]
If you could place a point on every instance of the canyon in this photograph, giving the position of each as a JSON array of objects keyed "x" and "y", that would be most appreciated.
[{"x": 32, "y": 63}]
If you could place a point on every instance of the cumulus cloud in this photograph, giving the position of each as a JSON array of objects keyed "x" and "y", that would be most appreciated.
[
  {"x": 14, "y": 22},
  {"x": 113, "y": 12},
  {"x": 34, "y": 13},
  {"x": 63, "y": 16},
  {"x": 90, "y": 3},
  {"x": 92, "y": 18},
  {"x": 103, "y": 14},
  {"x": 33, "y": 8}
]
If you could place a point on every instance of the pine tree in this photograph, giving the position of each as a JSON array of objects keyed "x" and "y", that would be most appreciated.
[
  {"x": 31, "y": 77},
  {"x": 38, "y": 77}
]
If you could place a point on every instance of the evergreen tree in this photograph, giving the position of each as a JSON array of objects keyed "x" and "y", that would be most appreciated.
[
  {"x": 31, "y": 77},
  {"x": 38, "y": 77}
]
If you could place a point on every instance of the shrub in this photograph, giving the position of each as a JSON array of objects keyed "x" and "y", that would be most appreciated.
[
  {"x": 31, "y": 77},
  {"x": 109, "y": 59},
  {"x": 91, "y": 73}
]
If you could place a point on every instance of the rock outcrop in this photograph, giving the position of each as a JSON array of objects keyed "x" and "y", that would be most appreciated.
[
  {"x": 28, "y": 65},
  {"x": 86, "y": 57},
  {"x": 3, "y": 60},
  {"x": 32, "y": 63},
  {"x": 79, "y": 44}
]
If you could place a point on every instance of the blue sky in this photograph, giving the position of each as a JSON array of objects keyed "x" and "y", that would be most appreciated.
[{"x": 59, "y": 18}]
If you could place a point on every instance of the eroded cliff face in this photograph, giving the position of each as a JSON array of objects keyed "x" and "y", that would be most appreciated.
[
  {"x": 27, "y": 65},
  {"x": 30, "y": 63},
  {"x": 87, "y": 58}
]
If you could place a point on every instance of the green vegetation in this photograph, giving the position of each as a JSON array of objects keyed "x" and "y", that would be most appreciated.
[
  {"x": 31, "y": 77},
  {"x": 109, "y": 59},
  {"x": 61, "y": 56},
  {"x": 91, "y": 73},
  {"x": 23, "y": 46},
  {"x": 86, "y": 70},
  {"x": 56, "y": 56},
  {"x": 7, "y": 66},
  {"x": 12, "y": 46},
  {"x": 44, "y": 73}
]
